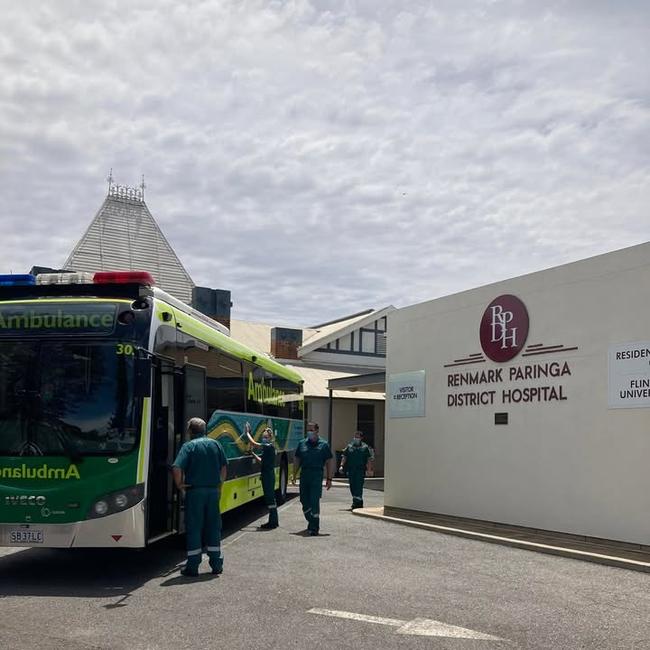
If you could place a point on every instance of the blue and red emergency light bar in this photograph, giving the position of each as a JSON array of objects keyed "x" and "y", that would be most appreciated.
[
  {"x": 101, "y": 283},
  {"x": 100, "y": 277}
]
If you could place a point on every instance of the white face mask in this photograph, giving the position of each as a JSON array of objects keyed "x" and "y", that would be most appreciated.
[
  {"x": 356, "y": 441},
  {"x": 313, "y": 435},
  {"x": 266, "y": 440}
]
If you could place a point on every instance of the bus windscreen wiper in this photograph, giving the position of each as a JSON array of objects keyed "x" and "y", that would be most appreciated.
[
  {"x": 57, "y": 427},
  {"x": 71, "y": 451}
]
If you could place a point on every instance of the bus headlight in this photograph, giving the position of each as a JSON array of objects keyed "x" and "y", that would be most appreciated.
[{"x": 116, "y": 501}]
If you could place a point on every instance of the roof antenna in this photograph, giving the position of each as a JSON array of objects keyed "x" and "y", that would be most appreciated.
[
  {"x": 110, "y": 180},
  {"x": 142, "y": 186}
]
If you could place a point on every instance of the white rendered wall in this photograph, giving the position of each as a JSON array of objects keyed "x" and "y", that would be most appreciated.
[
  {"x": 318, "y": 412},
  {"x": 573, "y": 466}
]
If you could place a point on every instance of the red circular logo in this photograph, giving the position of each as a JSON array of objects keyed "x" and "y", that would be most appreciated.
[{"x": 504, "y": 328}]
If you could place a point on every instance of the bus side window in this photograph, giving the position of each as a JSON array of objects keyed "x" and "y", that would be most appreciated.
[
  {"x": 291, "y": 398},
  {"x": 225, "y": 383},
  {"x": 255, "y": 380}
]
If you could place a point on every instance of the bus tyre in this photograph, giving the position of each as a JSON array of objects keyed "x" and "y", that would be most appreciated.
[{"x": 281, "y": 492}]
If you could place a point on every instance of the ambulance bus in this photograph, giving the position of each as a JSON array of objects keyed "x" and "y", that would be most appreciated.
[{"x": 98, "y": 375}]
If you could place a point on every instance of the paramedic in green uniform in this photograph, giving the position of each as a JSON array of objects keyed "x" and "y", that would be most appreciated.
[
  {"x": 267, "y": 474},
  {"x": 312, "y": 454},
  {"x": 356, "y": 460},
  {"x": 199, "y": 470}
]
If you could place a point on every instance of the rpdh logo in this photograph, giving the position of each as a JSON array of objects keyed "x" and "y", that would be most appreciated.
[{"x": 504, "y": 328}]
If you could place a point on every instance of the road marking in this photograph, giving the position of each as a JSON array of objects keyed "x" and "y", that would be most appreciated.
[
  {"x": 426, "y": 627},
  {"x": 418, "y": 626},
  {"x": 379, "y": 620}
]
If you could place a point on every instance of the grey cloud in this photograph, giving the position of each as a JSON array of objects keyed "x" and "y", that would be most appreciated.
[{"x": 318, "y": 158}]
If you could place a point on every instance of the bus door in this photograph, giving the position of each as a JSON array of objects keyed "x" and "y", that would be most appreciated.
[
  {"x": 193, "y": 405},
  {"x": 161, "y": 494}
]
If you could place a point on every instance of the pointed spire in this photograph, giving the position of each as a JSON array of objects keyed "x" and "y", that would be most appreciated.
[
  {"x": 127, "y": 192},
  {"x": 125, "y": 236}
]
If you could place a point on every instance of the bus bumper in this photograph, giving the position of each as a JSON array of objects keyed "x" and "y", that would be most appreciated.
[{"x": 122, "y": 529}]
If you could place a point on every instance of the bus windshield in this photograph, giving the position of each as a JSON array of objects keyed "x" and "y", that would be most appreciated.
[{"x": 67, "y": 398}]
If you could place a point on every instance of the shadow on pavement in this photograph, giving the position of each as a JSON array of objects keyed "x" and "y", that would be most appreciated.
[
  {"x": 304, "y": 533},
  {"x": 370, "y": 483},
  {"x": 185, "y": 580},
  {"x": 109, "y": 573}
]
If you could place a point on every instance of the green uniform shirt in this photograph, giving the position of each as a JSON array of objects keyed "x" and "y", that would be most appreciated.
[
  {"x": 201, "y": 459},
  {"x": 313, "y": 456},
  {"x": 268, "y": 458},
  {"x": 357, "y": 457}
]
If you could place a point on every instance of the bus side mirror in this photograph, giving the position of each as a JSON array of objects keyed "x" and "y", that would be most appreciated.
[{"x": 142, "y": 383}]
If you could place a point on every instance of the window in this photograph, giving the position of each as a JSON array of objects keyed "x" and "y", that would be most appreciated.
[
  {"x": 224, "y": 375},
  {"x": 255, "y": 387},
  {"x": 368, "y": 341},
  {"x": 269, "y": 394},
  {"x": 345, "y": 343},
  {"x": 226, "y": 388},
  {"x": 381, "y": 343},
  {"x": 70, "y": 398},
  {"x": 232, "y": 384},
  {"x": 292, "y": 404}
]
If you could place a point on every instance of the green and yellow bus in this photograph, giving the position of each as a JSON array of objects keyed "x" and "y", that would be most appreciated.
[{"x": 98, "y": 375}]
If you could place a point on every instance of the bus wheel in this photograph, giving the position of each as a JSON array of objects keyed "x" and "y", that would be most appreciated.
[{"x": 281, "y": 492}]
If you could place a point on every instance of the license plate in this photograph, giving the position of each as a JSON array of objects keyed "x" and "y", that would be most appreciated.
[{"x": 26, "y": 536}]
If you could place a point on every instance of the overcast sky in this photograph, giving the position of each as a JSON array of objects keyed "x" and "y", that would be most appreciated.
[{"x": 321, "y": 157}]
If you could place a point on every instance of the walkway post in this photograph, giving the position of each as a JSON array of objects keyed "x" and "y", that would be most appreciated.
[{"x": 329, "y": 424}]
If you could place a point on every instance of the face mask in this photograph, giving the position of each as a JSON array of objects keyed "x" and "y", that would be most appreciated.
[
  {"x": 266, "y": 441},
  {"x": 356, "y": 441},
  {"x": 313, "y": 435}
]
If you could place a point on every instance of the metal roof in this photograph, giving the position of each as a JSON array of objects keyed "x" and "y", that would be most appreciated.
[
  {"x": 125, "y": 236},
  {"x": 318, "y": 380}
]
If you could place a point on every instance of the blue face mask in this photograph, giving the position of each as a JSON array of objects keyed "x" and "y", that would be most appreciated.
[
  {"x": 266, "y": 441},
  {"x": 313, "y": 435}
]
